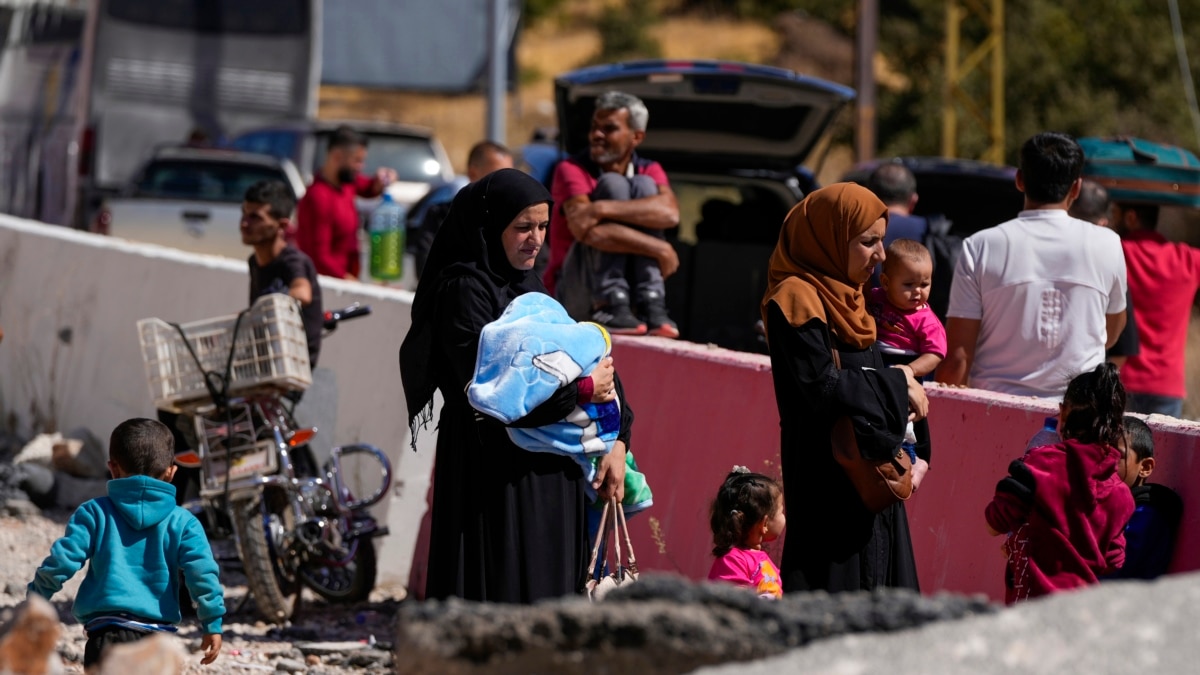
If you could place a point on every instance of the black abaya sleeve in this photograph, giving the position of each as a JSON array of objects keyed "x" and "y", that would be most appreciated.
[
  {"x": 463, "y": 310},
  {"x": 875, "y": 399}
]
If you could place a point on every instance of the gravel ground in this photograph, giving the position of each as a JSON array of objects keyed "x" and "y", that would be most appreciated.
[{"x": 322, "y": 638}]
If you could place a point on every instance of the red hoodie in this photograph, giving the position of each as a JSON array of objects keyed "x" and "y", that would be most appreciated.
[{"x": 1065, "y": 509}]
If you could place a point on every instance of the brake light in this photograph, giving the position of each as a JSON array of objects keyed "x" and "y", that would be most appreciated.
[
  {"x": 301, "y": 436},
  {"x": 102, "y": 223},
  {"x": 87, "y": 146}
]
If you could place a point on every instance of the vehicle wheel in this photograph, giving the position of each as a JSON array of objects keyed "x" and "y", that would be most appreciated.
[
  {"x": 259, "y": 525},
  {"x": 351, "y": 582}
]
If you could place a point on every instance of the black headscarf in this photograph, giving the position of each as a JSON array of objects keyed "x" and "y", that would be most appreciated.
[{"x": 467, "y": 245}]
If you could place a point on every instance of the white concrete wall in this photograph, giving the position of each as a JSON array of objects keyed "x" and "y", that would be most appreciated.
[{"x": 69, "y": 304}]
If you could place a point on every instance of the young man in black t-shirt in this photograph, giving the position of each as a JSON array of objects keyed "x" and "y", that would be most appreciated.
[{"x": 276, "y": 266}]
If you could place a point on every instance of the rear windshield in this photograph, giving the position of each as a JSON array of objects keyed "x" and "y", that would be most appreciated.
[
  {"x": 250, "y": 17},
  {"x": 413, "y": 159},
  {"x": 202, "y": 181}
]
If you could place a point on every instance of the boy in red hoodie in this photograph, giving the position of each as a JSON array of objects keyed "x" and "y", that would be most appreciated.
[{"x": 1063, "y": 506}]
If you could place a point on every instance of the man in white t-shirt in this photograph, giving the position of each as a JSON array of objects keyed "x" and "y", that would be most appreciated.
[{"x": 1036, "y": 300}]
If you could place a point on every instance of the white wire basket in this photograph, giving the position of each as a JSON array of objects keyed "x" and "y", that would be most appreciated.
[{"x": 271, "y": 352}]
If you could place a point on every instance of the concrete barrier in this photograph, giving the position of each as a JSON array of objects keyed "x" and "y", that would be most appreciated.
[{"x": 69, "y": 304}]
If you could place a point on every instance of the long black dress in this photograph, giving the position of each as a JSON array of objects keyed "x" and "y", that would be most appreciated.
[
  {"x": 833, "y": 542},
  {"x": 508, "y": 525}
]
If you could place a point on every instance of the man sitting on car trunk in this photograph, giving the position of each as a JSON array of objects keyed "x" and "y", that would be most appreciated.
[{"x": 616, "y": 206}]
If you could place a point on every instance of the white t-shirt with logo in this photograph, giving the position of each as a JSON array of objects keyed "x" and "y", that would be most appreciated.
[{"x": 1041, "y": 285}]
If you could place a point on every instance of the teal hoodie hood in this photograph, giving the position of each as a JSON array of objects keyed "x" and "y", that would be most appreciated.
[
  {"x": 137, "y": 541},
  {"x": 141, "y": 500}
]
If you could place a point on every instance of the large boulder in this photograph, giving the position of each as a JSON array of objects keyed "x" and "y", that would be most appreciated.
[
  {"x": 1120, "y": 627},
  {"x": 662, "y": 624}
]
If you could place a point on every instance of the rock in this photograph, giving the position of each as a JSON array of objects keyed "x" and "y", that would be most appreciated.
[
  {"x": 369, "y": 657},
  {"x": 1086, "y": 631},
  {"x": 312, "y": 660},
  {"x": 159, "y": 654},
  {"x": 325, "y": 648},
  {"x": 39, "y": 450},
  {"x": 290, "y": 666},
  {"x": 15, "y": 588},
  {"x": 662, "y": 624},
  {"x": 20, "y": 507},
  {"x": 72, "y": 491},
  {"x": 28, "y": 646}
]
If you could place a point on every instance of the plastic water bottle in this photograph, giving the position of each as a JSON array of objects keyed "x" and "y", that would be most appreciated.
[
  {"x": 909, "y": 444},
  {"x": 386, "y": 228},
  {"x": 1047, "y": 435}
]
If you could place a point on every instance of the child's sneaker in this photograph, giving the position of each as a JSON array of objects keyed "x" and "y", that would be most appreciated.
[
  {"x": 617, "y": 317},
  {"x": 653, "y": 307}
]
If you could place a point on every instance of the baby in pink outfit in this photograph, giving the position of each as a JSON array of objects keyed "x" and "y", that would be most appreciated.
[{"x": 906, "y": 329}]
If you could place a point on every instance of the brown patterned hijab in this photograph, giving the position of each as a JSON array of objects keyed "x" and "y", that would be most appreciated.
[{"x": 807, "y": 274}]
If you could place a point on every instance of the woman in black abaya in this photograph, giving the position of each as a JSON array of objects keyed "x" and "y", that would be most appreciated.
[
  {"x": 507, "y": 525},
  {"x": 827, "y": 248}
]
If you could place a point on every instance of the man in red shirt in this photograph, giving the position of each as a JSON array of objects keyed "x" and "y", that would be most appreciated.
[
  {"x": 327, "y": 219},
  {"x": 1163, "y": 279},
  {"x": 607, "y": 242}
]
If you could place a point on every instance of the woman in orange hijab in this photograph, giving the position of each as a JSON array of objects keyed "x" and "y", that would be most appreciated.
[{"x": 828, "y": 246}]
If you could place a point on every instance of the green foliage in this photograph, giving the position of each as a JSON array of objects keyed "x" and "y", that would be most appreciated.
[
  {"x": 1085, "y": 67},
  {"x": 744, "y": 9},
  {"x": 535, "y": 10},
  {"x": 623, "y": 32}
]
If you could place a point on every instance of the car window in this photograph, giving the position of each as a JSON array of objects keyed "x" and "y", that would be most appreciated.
[
  {"x": 277, "y": 143},
  {"x": 413, "y": 158},
  {"x": 202, "y": 181}
]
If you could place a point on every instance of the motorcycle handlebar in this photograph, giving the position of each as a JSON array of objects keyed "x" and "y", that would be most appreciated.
[{"x": 332, "y": 317}]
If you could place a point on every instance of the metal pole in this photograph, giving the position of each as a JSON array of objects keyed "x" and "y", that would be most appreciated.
[
  {"x": 498, "y": 72},
  {"x": 949, "y": 112},
  {"x": 868, "y": 39}
]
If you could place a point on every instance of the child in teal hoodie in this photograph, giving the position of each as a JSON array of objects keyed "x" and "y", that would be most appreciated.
[{"x": 136, "y": 540}]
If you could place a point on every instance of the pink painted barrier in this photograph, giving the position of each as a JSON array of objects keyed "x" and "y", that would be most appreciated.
[{"x": 701, "y": 410}]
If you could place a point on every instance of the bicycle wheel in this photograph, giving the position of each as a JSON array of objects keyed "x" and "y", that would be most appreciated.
[
  {"x": 350, "y": 582},
  {"x": 259, "y": 525}
]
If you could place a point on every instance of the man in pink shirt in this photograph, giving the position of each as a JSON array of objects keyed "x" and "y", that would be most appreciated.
[
  {"x": 608, "y": 250},
  {"x": 327, "y": 218},
  {"x": 1163, "y": 279}
]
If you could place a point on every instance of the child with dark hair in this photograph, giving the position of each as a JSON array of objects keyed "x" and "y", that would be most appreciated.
[
  {"x": 908, "y": 331},
  {"x": 1150, "y": 532},
  {"x": 1064, "y": 506},
  {"x": 135, "y": 541},
  {"x": 747, "y": 512}
]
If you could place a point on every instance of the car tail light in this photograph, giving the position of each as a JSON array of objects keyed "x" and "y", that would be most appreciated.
[
  {"x": 86, "y": 147},
  {"x": 102, "y": 223}
]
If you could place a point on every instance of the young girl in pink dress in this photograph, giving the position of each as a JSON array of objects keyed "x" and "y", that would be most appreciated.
[{"x": 747, "y": 512}]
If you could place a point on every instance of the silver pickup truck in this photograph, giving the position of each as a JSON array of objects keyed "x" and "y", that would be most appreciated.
[{"x": 191, "y": 199}]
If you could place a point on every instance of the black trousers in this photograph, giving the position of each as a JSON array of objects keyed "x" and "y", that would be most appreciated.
[{"x": 100, "y": 639}]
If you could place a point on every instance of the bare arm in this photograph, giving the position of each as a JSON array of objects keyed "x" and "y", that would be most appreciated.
[
  {"x": 660, "y": 212},
  {"x": 1113, "y": 325},
  {"x": 961, "y": 337},
  {"x": 924, "y": 364},
  {"x": 301, "y": 290}
]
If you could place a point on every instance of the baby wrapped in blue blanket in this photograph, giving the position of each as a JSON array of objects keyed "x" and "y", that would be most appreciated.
[{"x": 527, "y": 354}]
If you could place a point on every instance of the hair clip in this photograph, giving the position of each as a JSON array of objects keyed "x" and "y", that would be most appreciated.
[{"x": 738, "y": 468}]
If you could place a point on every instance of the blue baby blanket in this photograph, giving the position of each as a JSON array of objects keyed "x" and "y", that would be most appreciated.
[{"x": 527, "y": 354}]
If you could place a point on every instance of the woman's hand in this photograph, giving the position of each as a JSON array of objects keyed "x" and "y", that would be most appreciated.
[
  {"x": 918, "y": 403},
  {"x": 603, "y": 387},
  {"x": 610, "y": 474}
]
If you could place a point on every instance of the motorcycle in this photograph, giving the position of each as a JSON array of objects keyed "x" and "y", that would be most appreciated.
[{"x": 294, "y": 524}]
